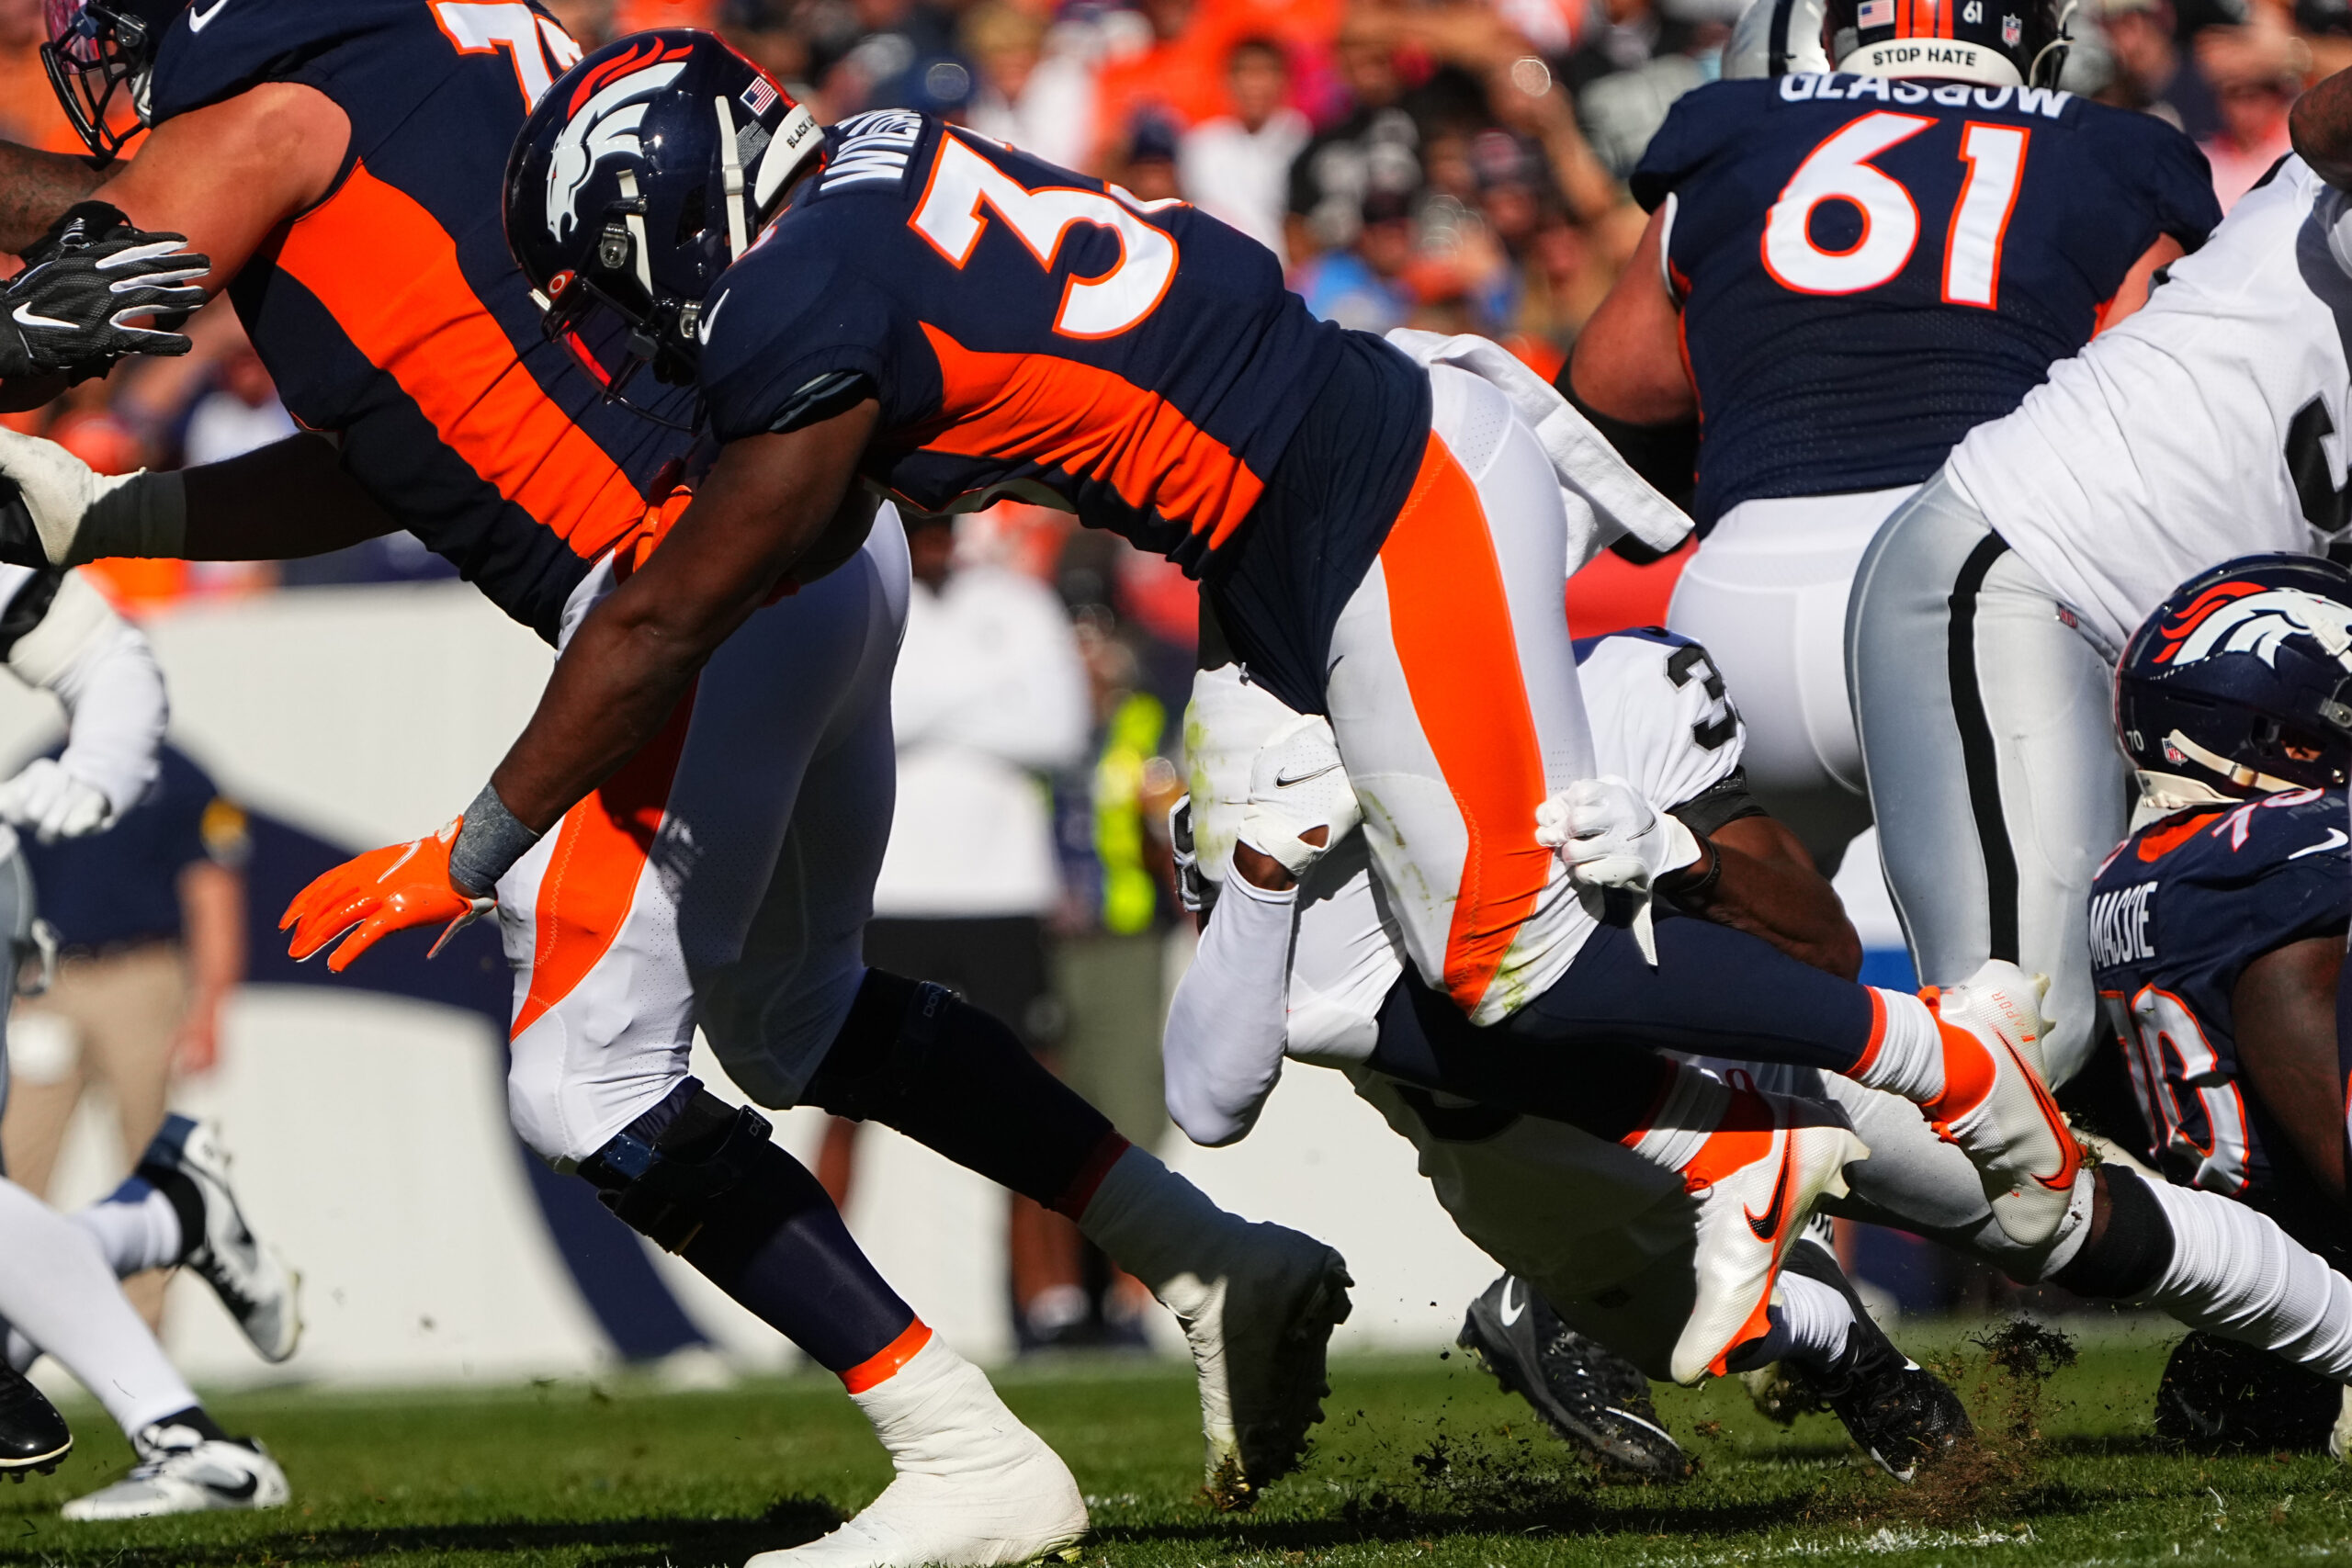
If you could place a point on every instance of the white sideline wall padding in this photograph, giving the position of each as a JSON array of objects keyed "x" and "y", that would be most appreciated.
[{"x": 369, "y": 1133}]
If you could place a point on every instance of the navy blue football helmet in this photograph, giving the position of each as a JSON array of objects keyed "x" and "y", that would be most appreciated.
[
  {"x": 100, "y": 51},
  {"x": 642, "y": 174},
  {"x": 2241, "y": 683}
]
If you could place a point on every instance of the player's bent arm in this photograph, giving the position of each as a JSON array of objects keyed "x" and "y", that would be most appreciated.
[
  {"x": 230, "y": 175},
  {"x": 104, "y": 675},
  {"x": 768, "y": 502},
  {"x": 1627, "y": 373},
  {"x": 1628, "y": 360},
  {"x": 1222, "y": 1051},
  {"x": 2321, "y": 126},
  {"x": 2285, "y": 1008},
  {"x": 1769, "y": 888},
  {"x": 35, "y": 186},
  {"x": 2133, "y": 292}
]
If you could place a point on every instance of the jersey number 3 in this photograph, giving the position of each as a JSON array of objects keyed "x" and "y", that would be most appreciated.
[
  {"x": 1841, "y": 170},
  {"x": 963, "y": 183}
]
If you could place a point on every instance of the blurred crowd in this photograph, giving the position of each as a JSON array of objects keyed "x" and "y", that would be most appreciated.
[{"x": 1452, "y": 164}]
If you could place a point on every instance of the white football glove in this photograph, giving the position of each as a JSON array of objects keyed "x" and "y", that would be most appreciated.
[
  {"x": 1297, "y": 784},
  {"x": 53, "y": 803},
  {"x": 1611, "y": 836},
  {"x": 81, "y": 515}
]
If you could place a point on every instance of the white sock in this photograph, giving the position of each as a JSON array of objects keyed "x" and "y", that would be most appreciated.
[
  {"x": 2234, "y": 1272},
  {"x": 1149, "y": 1220},
  {"x": 1910, "y": 1056},
  {"x": 134, "y": 1232},
  {"x": 58, "y": 1292},
  {"x": 1817, "y": 1318},
  {"x": 1686, "y": 1118},
  {"x": 929, "y": 1408}
]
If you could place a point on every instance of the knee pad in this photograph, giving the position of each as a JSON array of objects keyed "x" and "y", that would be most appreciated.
[
  {"x": 2129, "y": 1255},
  {"x": 663, "y": 1177}
]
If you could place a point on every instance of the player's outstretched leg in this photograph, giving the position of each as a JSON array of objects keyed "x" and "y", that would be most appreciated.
[
  {"x": 33, "y": 1437},
  {"x": 178, "y": 1208},
  {"x": 59, "y": 1297},
  {"x": 1593, "y": 1399},
  {"x": 2216, "y": 1265},
  {"x": 974, "y": 1485},
  {"x": 1967, "y": 1056},
  {"x": 1257, "y": 1301}
]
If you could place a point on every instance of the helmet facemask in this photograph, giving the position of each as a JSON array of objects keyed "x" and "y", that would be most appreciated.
[{"x": 100, "y": 58}]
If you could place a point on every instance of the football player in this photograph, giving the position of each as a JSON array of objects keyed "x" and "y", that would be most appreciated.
[
  {"x": 1384, "y": 538},
  {"x": 1847, "y": 267},
  {"x": 58, "y": 1274},
  {"x": 341, "y": 166},
  {"x": 2216, "y": 933},
  {"x": 1990, "y": 610},
  {"x": 1648, "y": 1239},
  {"x": 1617, "y": 1238}
]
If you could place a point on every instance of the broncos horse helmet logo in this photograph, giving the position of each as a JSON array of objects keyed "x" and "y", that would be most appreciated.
[
  {"x": 601, "y": 121},
  {"x": 2246, "y": 617}
]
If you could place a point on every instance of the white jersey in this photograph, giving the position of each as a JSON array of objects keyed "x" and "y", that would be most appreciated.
[{"x": 2211, "y": 423}]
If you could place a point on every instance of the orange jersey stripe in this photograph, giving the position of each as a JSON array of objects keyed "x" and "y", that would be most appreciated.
[
  {"x": 1450, "y": 622},
  {"x": 1093, "y": 423},
  {"x": 600, "y": 851},
  {"x": 388, "y": 274}
]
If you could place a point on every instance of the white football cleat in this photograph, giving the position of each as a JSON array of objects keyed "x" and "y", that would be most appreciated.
[
  {"x": 1995, "y": 1106},
  {"x": 180, "y": 1470},
  {"x": 261, "y": 1292},
  {"x": 1754, "y": 1177},
  {"x": 974, "y": 1488},
  {"x": 1257, "y": 1308}
]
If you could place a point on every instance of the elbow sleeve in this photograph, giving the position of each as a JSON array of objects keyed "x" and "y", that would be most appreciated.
[{"x": 104, "y": 671}]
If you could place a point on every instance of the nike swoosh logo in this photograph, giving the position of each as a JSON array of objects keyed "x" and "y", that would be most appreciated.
[
  {"x": 2336, "y": 839},
  {"x": 711, "y": 319},
  {"x": 26, "y": 318},
  {"x": 1768, "y": 1224},
  {"x": 1283, "y": 781},
  {"x": 2063, "y": 1181},
  {"x": 1511, "y": 1311},
  {"x": 197, "y": 22},
  {"x": 243, "y": 1490}
]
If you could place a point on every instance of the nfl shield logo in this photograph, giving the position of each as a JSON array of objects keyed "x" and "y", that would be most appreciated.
[{"x": 2012, "y": 29}]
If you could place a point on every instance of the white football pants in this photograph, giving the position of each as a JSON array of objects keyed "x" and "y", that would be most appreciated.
[
  {"x": 1452, "y": 693},
  {"x": 1989, "y": 746},
  {"x": 724, "y": 877},
  {"x": 1766, "y": 593}
]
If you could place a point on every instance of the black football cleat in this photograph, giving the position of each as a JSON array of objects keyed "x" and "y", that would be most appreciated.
[
  {"x": 33, "y": 1435},
  {"x": 1899, "y": 1413},
  {"x": 1596, "y": 1401},
  {"x": 2218, "y": 1396}
]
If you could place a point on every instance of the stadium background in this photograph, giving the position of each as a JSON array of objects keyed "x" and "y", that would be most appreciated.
[{"x": 1456, "y": 166}]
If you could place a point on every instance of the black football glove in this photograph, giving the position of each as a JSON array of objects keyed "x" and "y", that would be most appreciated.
[{"x": 68, "y": 310}]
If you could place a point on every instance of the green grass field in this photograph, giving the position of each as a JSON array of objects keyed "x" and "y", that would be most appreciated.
[{"x": 1421, "y": 1461}]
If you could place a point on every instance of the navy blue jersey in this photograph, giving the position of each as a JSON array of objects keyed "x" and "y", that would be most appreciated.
[
  {"x": 1868, "y": 268},
  {"x": 1036, "y": 334},
  {"x": 391, "y": 314},
  {"x": 2177, "y": 913}
]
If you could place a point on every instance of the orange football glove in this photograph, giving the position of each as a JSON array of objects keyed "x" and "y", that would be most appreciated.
[{"x": 386, "y": 890}]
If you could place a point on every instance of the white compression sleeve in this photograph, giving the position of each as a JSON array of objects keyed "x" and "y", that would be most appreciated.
[
  {"x": 102, "y": 670},
  {"x": 58, "y": 1291},
  {"x": 2235, "y": 1273},
  {"x": 1223, "y": 1049}
]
